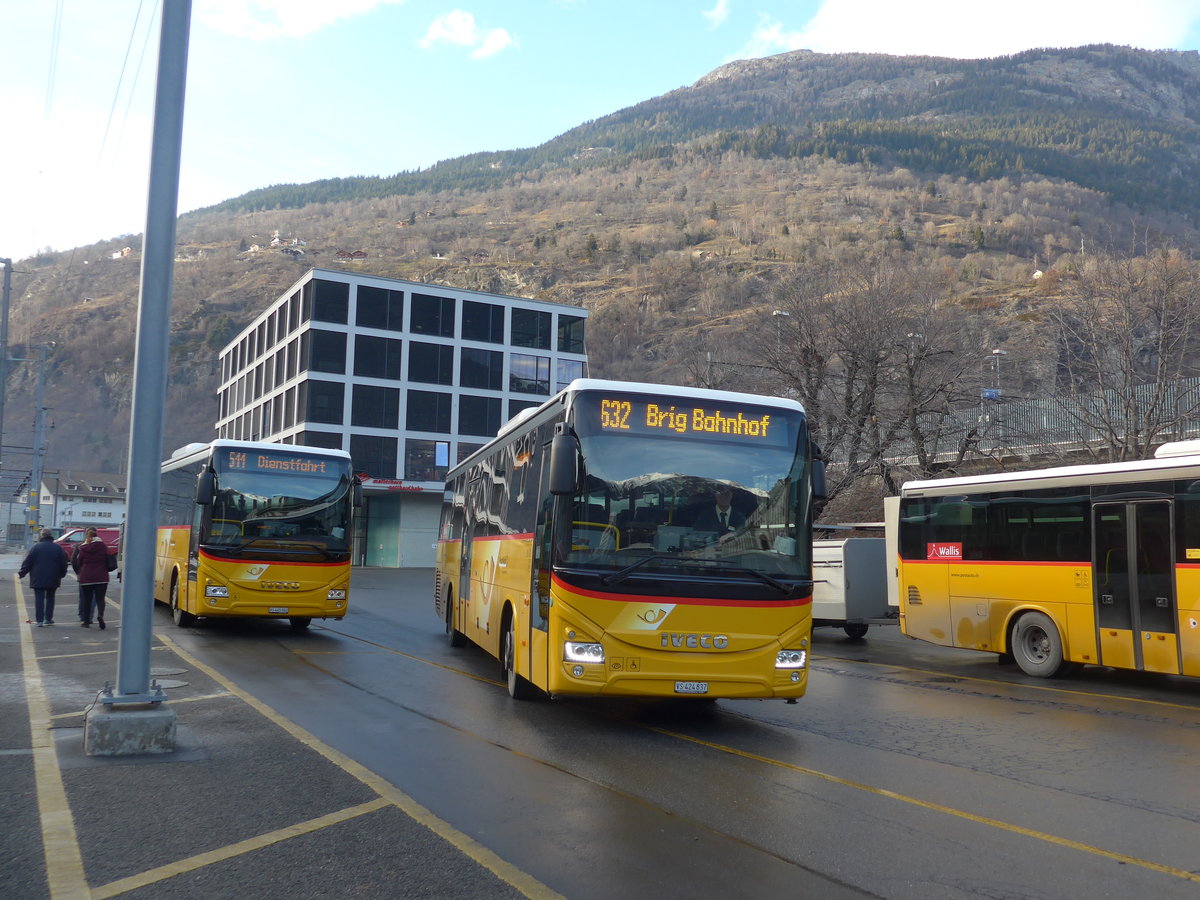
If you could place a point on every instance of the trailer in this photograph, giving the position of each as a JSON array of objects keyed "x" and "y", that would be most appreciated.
[{"x": 850, "y": 585}]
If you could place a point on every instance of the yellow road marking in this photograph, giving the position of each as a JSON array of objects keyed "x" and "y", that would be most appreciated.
[
  {"x": 64, "y": 862},
  {"x": 937, "y": 807},
  {"x": 249, "y": 845},
  {"x": 502, "y": 869}
]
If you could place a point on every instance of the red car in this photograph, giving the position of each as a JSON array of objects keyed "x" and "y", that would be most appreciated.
[{"x": 73, "y": 537}]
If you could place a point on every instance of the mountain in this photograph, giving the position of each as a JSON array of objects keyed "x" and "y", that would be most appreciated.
[{"x": 674, "y": 220}]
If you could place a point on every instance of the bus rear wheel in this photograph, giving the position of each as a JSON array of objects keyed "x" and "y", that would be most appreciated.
[
  {"x": 1037, "y": 646},
  {"x": 181, "y": 617},
  {"x": 518, "y": 688},
  {"x": 855, "y": 629}
]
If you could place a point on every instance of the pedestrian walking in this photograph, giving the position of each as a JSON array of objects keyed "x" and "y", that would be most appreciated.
[
  {"x": 91, "y": 565},
  {"x": 45, "y": 564}
]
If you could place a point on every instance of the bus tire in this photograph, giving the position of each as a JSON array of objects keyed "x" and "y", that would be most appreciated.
[
  {"x": 519, "y": 688},
  {"x": 453, "y": 635},
  {"x": 1037, "y": 646},
  {"x": 855, "y": 629},
  {"x": 182, "y": 618},
  {"x": 299, "y": 623}
]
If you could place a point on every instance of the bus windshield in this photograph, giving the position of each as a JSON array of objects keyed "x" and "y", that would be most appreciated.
[
  {"x": 281, "y": 504},
  {"x": 675, "y": 489}
]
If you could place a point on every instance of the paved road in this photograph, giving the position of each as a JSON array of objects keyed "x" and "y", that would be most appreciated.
[{"x": 367, "y": 758}]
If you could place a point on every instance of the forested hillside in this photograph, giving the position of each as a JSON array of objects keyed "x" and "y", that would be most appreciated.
[{"x": 683, "y": 223}]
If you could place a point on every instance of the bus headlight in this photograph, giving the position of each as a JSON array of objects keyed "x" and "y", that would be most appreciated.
[
  {"x": 791, "y": 659},
  {"x": 337, "y": 594},
  {"x": 216, "y": 590},
  {"x": 583, "y": 652}
]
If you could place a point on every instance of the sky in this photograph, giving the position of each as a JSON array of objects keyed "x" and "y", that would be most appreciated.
[{"x": 282, "y": 91}]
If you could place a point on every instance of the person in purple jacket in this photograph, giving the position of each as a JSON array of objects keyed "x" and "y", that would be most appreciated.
[{"x": 90, "y": 563}]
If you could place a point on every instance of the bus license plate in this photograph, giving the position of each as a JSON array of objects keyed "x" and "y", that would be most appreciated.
[
  {"x": 691, "y": 687},
  {"x": 278, "y": 609}
]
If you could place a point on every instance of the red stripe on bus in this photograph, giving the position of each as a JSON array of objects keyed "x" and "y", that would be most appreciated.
[
  {"x": 679, "y": 601},
  {"x": 254, "y": 562}
]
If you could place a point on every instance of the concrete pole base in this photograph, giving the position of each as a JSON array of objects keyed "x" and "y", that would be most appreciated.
[{"x": 129, "y": 730}]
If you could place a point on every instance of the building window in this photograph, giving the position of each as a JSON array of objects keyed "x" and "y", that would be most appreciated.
[
  {"x": 430, "y": 363},
  {"x": 515, "y": 406},
  {"x": 482, "y": 322},
  {"x": 570, "y": 333},
  {"x": 327, "y": 301},
  {"x": 323, "y": 351},
  {"x": 378, "y": 357},
  {"x": 328, "y": 439},
  {"x": 568, "y": 371},
  {"x": 529, "y": 374},
  {"x": 530, "y": 328},
  {"x": 426, "y": 460},
  {"x": 481, "y": 368},
  {"x": 429, "y": 411},
  {"x": 376, "y": 456},
  {"x": 374, "y": 407},
  {"x": 465, "y": 450},
  {"x": 478, "y": 415},
  {"x": 432, "y": 315},
  {"x": 380, "y": 308},
  {"x": 325, "y": 401}
]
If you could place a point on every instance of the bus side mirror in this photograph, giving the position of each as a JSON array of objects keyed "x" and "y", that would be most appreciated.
[
  {"x": 356, "y": 494},
  {"x": 204, "y": 488},
  {"x": 819, "y": 487},
  {"x": 564, "y": 465}
]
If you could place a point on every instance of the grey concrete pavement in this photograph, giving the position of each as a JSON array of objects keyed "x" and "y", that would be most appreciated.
[{"x": 246, "y": 805}]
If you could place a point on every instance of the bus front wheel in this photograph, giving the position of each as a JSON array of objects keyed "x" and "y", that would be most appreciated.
[
  {"x": 518, "y": 688},
  {"x": 299, "y": 623},
  {"x": 182, "y": 618},
  {"x": 855, "y": 630},
  {"x": 1037, "y": 646}
]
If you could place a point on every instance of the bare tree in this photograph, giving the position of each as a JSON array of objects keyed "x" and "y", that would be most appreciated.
[{"x": 1128, "y": 330}]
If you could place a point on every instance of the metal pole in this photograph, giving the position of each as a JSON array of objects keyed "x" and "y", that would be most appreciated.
[
  {"x": 150, "y": 364},
  {"x": 34, "y": 506},
  {"x": 5, "y": 298}
]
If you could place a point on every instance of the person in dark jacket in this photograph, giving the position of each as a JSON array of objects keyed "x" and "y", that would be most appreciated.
[
  {"x": 45, "y": 564},
  {"x": 90, "y": 563}
]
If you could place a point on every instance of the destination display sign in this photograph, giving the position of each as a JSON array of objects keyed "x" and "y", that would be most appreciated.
[
  {"x": 230, "y": 459},
  {"x": 636, "y": 414}
]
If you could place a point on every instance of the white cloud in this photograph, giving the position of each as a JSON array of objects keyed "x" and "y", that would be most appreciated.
[
  {"x": 264, "y": 20},
  {"x": 718, "y": 14},
  {"x": 941, "y": 28},
  {"x": 459, "y": 28}
]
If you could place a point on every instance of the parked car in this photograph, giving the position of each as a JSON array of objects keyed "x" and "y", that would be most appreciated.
[{"x": 73, "y": 537}]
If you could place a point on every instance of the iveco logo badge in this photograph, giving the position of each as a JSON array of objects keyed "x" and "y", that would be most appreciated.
[
  {"x": 280, "y": 585},
  {"x": 694, "y": 641}
]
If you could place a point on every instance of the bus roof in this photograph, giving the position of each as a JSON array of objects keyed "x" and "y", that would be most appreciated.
[
  {"x": 628, "y": 387},
  {"x": 694, "y": 393},
  {"x": 1161, "y": 469},
  {"x": 189, "y": 452}
]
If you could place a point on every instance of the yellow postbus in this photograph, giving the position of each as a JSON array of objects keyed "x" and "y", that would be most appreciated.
[
  {"x": 637, "y": 540},
  {"x": 255, "y": 529},
  {"x": 1056, "y": 568}
]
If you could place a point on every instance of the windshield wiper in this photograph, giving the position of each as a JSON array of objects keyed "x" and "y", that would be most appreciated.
[{"x": 622, "y": 574}]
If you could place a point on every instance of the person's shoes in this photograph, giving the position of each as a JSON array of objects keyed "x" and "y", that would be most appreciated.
[
  {"x": 100, "y": 622},
  {"x": 39, "y": 624},
  {"x": 49, "y": 621},
  {"x": 85, "y": 624}
]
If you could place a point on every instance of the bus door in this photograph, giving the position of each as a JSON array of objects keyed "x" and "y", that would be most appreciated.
[{"x": 1134, "y": 579}]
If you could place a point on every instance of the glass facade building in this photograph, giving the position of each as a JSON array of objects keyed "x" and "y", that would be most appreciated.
[{"x": 408, "y": 377}]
